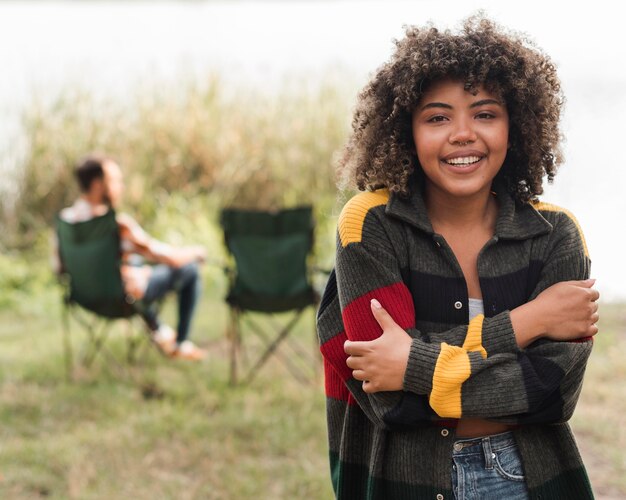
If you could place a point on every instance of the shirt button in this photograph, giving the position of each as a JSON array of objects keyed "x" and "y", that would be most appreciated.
[
  {"x": 439, "y": 496},
  {"x": 445, "y": 432},
  {"x": 458, "y": 304}
]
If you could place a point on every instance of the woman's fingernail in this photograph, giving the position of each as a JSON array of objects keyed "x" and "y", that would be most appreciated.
[{"x": 375, "y": 303}]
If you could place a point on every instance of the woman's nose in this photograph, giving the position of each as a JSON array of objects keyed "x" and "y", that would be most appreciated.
[{"x": 462, "y": 131}]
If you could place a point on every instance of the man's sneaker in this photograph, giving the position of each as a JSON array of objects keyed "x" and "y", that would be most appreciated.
[
  {"x": 189, "y": 351},
  {"x": 165, "y": 338}
]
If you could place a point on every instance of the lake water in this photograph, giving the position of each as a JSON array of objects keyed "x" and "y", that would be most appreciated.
[{"x": 110, "y": 46}]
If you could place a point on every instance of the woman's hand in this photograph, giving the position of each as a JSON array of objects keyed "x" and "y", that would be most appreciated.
[
  {"x": 570, "y": 309},
  {"x": 380, "y": 363},
  {"x": 564, "y": 311}
]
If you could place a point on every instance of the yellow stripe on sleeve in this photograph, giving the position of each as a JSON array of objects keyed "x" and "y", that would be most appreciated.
[
  {"x": 354, "y": 212},
  {"x": 549, "y": 207},
  {"x": 474, "y": 337},
  {"x": 453, "y": 368}
]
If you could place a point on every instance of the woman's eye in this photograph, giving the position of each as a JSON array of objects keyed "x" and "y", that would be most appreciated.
[
  {"x": 485, "y": 115},
  {"x": 438, "y": 118}
]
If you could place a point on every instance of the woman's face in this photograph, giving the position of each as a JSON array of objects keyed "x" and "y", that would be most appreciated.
[{"x": 461, "y": 139}]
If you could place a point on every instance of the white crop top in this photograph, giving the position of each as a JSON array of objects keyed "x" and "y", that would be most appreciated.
[{"x": 475, "y": 308}]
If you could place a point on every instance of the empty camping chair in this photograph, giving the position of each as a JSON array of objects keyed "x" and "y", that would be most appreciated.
[{"x": 270, "y": 251}]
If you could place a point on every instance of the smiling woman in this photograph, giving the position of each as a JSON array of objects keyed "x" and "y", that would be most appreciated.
[{"x": 458, "y": 323}]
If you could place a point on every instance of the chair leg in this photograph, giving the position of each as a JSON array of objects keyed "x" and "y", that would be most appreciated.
[
  {"x": 235, "y": 343},
  {"x": 67, "y": 343},
  {"x": 272, "y": 347},
  {"x": 97, "y": 330},
  {"x": 131, "y": 343},
  {"x": 97, "y": 341}
]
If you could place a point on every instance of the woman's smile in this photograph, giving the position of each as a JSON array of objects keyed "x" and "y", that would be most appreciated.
[{"x": 464, "y": 161}]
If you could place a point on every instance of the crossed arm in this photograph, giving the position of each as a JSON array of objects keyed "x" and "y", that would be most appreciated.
[
  {"x": 500, "y": 372},
  {"x": 565, "y": 311}
]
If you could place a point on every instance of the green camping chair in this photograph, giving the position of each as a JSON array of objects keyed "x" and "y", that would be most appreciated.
[
  {"x": 90, "y": 256},
  {"x": 271, "y": 276}
]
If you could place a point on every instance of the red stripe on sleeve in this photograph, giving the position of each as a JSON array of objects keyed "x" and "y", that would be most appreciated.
[
  {"x": 395, "y": 299},
  {"x": 333, "y": 352},
  {"x": 336, "y": 372},
  {"x": 334, "y": 385}
]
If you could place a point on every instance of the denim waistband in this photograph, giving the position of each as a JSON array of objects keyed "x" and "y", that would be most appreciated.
[{"x": 468, "y": 446}]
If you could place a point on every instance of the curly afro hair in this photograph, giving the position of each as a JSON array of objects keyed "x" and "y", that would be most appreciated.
[{"x": 380, "y": 151}]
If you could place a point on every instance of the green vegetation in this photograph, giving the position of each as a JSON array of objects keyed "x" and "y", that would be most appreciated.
[
  {"x": 225, "y": 147},
  {"x": 160, "y": 429}
]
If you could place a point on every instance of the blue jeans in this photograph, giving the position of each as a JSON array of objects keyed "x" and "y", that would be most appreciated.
[
  {"x": 186, "y": 282},
  {"x": 488, "y": 468}
]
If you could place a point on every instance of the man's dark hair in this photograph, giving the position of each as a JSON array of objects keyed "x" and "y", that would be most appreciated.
[{"x": 88, "y": 170}]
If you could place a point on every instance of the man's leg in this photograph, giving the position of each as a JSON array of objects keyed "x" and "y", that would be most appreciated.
[
  {"x": 158, "y": 286},
  {"x": 188, "y": 285},
  {"x": 186, "y": 282}
]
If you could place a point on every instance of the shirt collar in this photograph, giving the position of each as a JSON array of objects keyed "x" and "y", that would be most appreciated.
[{"x": 516, "y": 221}]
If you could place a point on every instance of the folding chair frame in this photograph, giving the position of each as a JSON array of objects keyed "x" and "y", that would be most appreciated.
[
  {"x": 97, "y": 330},
  {"x": 272, "y": 346}
]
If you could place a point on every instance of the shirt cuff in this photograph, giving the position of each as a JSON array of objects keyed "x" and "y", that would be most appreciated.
[
  {"x": 498, "y": 335},
  {"x": 420, "y": 368}
]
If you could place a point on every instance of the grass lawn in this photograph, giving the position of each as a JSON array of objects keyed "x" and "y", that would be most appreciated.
[
  {"x": 166, "y": 429},
  {"x": 162, "y": 429}
]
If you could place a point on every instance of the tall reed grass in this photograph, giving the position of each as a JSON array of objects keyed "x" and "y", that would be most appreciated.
[{"x": 225, "y": 145}]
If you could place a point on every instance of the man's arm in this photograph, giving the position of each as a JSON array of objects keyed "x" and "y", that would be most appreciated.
[{"x": 155, "y": 250}]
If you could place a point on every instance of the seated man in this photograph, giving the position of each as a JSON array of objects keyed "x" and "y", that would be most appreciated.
[{"x": 101, "y": 184}]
